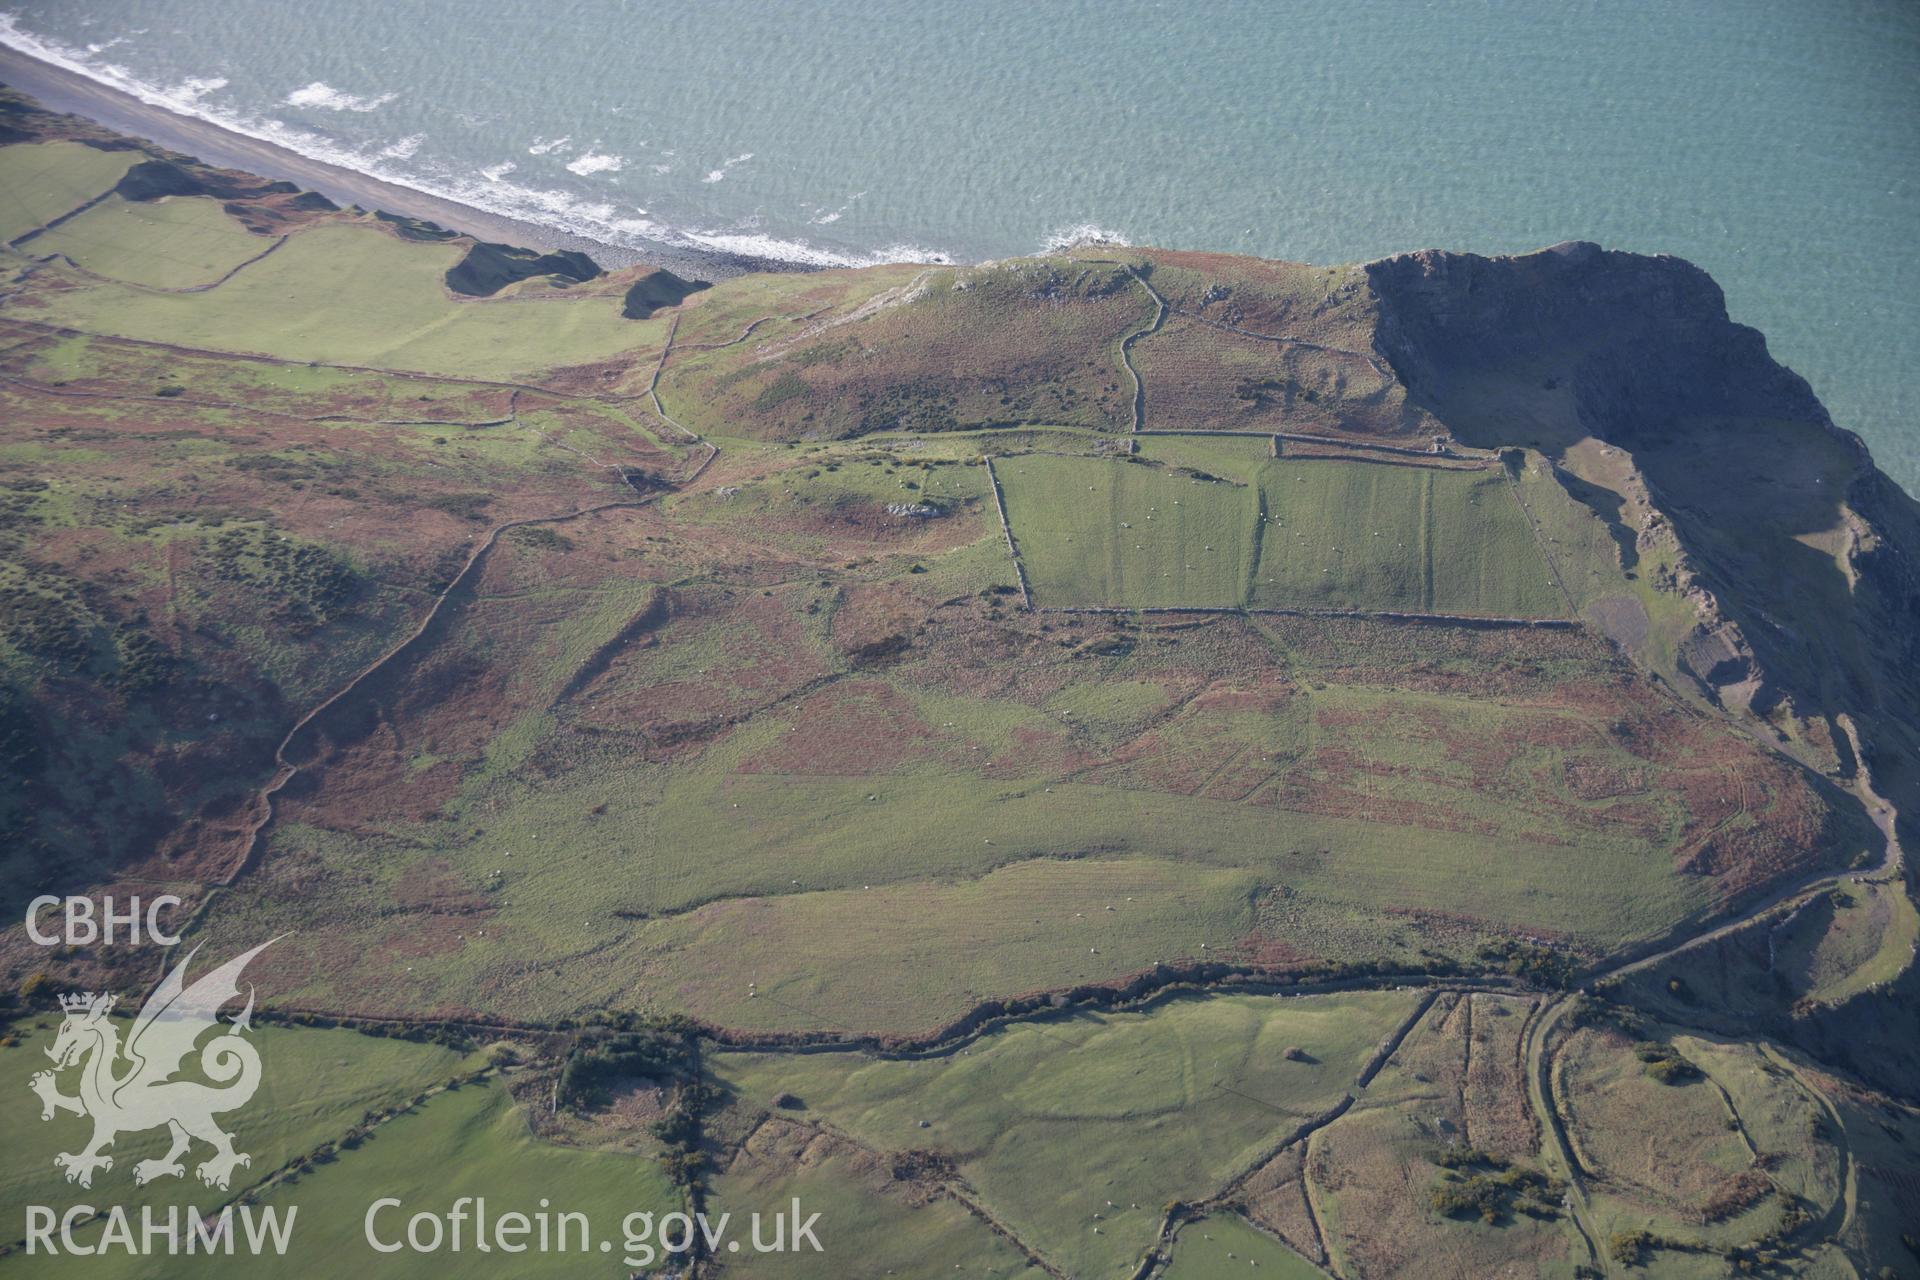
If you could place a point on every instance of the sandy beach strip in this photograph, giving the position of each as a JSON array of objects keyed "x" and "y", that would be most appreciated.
[{"x": 59, "y": 89}]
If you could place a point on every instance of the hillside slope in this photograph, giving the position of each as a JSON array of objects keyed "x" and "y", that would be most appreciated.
[{"x": 1008, "y": 679}]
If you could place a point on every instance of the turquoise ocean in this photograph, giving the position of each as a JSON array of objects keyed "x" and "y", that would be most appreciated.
[{"x": 1774, "y": 142}]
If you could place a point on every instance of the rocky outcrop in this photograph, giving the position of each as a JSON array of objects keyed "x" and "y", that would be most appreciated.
[
  {"x": 657, "y": 289},
  {"x": 1643, "y": 341},
  {"x": 156, "y": 179},
  {"x": 489, "y": 268}
]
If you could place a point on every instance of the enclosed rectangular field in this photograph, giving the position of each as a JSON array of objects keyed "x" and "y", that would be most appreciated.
[
  {"x": 1197, "y": 526},
  {"x": 1370, "y": 535},
  {"x": 1094, "y": 531}
]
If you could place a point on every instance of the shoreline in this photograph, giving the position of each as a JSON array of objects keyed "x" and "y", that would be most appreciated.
[{"x": 58, "y": 89}]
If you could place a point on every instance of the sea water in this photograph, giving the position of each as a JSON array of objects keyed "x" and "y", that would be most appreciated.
[{"x": 1773, "y": 142}]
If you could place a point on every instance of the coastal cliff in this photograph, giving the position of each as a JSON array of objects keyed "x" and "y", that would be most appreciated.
[
  {"x": 1794, "y": 555},
  {"x": 1796, "y": 551}
]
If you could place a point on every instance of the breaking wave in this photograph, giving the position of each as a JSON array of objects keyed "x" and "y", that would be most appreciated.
[
  {"x": 488, "y": 189},
  {"x": 1085, "y": 233},
  {"x": 593, "y": 162},
  {"x": 327, "y": 98},
  {"x": 716, "y": 175}
]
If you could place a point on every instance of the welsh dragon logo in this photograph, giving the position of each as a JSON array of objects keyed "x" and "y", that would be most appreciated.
[{"x": 129, "y": 1088}]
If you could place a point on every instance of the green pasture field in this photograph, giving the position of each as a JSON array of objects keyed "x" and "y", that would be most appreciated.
[
  {"x": 1743, "y": 1114},
  {"x": 1051, "y": 1120},
  {"x": 1274, "y": 533},
  {"x": 1368, "y": 535},
  {"x": 399, "y": 313},
  {"x": 318, "y": 393},
  {"x": 862, "y": 1232},
  {"x": 1224, "y": 1244},
  {"x": 669, "y": 842},
  {"x": 947, "y": 945},
  {"x": 1234, "y": 457},
  {"x": 175, "y": 243},
  {"x": 472, "y": 1141},
  {"x": 670, "y": 883},
  {"x": 315, "y": 1085},
  {"x": 1778, "y": 1111},
  {"x": 1097, "y": 532},
  {"x": 43, "y": 180},
  {"x": 818, "y": 501}
]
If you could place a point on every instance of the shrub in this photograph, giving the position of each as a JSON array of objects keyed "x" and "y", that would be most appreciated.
[
  {"x": 542, "y": 538},
  {"x": 1494, "y": 1190},
  {"x": 467, "y": 506},
  {"x": 599, "y": 1057},
  {"x": 1665, "y": 1063},
  {"x": 1543, "y": 965},
  {"x": 1629, "y": 1247}
]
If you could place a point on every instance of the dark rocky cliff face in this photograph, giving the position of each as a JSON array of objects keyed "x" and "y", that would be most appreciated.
[
  {"x": 1801, "y": 560},
  {"x": 1577, "y": 342},
  {"x": 1644, "y": 341}
]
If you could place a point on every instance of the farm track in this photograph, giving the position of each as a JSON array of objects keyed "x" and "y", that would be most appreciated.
[
  {"x": 1536, "y": 1049},
  {"x": 1539, "y": 1053},
  {"x": 1223, "y": 1200},
  {"x": 285, "y": 769},
  {"x": 1126, "y": 343},
  {"x": 1277, "y": 611},
  {"x": 1379, "y": 367},
  {"x": 1435, "y": 461},
  {"x": 730, "y": 342}
]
